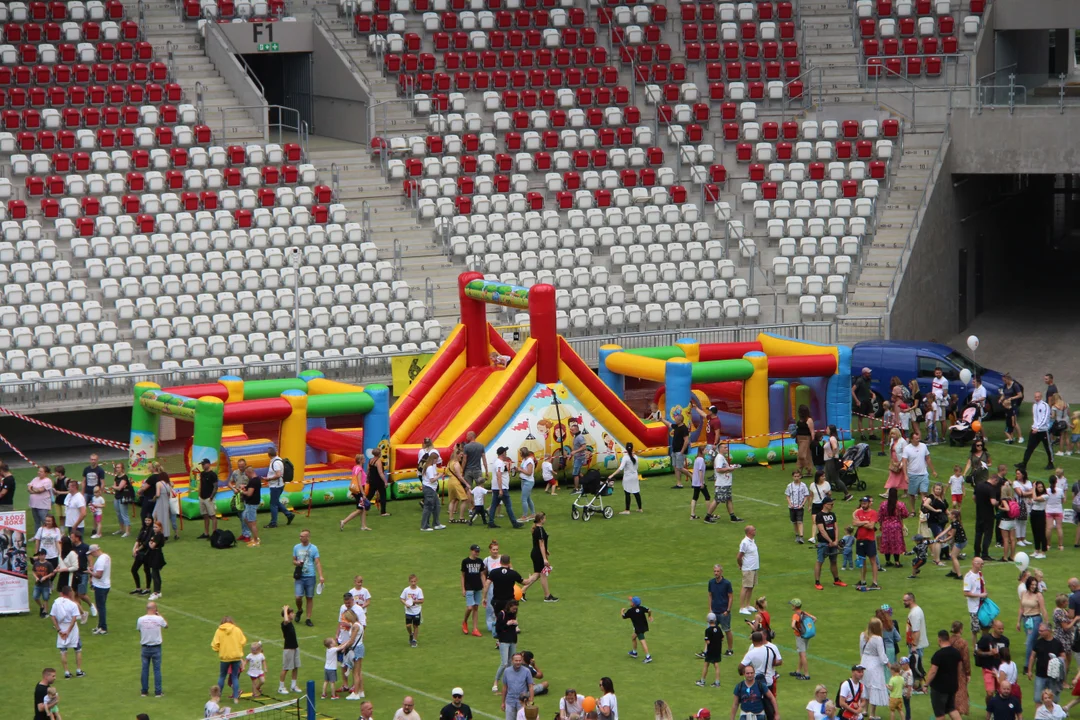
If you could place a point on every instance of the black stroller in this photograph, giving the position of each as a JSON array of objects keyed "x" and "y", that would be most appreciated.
[
  {"x": 594, "y": 489},
  {"x": 962, "y": 432},
  {"x": 854, "y": 457}
]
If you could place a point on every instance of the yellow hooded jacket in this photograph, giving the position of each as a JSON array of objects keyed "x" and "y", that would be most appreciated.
[{"x": 229, "y": 642}]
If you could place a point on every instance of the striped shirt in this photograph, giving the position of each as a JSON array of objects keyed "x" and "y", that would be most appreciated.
[
  {"x": 796, "y": 494},
  {"x": 1040, "y": 416}
]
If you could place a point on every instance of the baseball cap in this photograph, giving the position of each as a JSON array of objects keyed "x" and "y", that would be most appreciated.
[
  {"x": 205, "y": 461},
  {"x": 903, "y": 661},
  {"x": 712, "y": 408},
  {"x": 866, "y": 370},
  {"x": 865, "y": 498},
  {"x": 40, "y": 552},
  {"x": 826, "y": 500},
  {"x": 711, "y": 617},
  {"x": 474, "y": 547},
  {"x": 94, "y": 548},
  {"x": 857, "y": 667},
  {"x": 703, "y": 714},
  {"x": 635, "y": 600},
  {"x": 457, "y": 691},
  {"x": 886, "y": 608},
  {"x": 795, "y": 603}
]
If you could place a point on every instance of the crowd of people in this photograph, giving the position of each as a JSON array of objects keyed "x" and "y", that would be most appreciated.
[{"x": 916, "y": 522}]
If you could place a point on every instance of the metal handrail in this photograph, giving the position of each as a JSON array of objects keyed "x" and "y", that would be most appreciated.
[
  {"x": 300, "y": 128},
  {"x": 236, "y": 54},
  {"x": 317, "y": 16},
  {"x": 994, "y": 73}
]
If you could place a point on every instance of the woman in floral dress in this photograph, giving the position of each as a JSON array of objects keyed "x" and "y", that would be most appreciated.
[{"x": 891, "y": 515}]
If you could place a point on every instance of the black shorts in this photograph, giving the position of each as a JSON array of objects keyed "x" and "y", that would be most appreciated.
[
  {"x": 701, "y": 491},
  {"x": 414, "y": 619},
  {"x": 714, "y": 659},
  {"x": 866, "y": 548},
  {"x": 796, "y": 514},
  {"x": 942, "y": 703},
  {"x": 538, "y": 563},
  {"x": 866, "y": 408}
]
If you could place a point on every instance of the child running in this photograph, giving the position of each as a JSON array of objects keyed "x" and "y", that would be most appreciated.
[
  {"x": 255, "y": 664},
  {"x": 714, "y": 651},
  {"x": 639, "y": 616},
  {"x": 547, "y": 473},
  {"x": 412, "y": 597},
  {"x": 478, "y": 493}
]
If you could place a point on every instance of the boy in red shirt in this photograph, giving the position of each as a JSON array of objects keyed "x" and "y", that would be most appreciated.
[{"x": 865, "y": 521}]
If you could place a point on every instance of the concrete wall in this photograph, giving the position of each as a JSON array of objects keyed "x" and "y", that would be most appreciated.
[
  {"x": 1035, "y": 139},
  {"x": 1036, "y": 14},
  {"x": 341, "y": 99},
  {"x": 231, "y": 69},
  {"x": 292, "y": 36}
]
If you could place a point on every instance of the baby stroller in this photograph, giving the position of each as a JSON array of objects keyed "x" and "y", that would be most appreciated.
[
  {"x": 855, "y": 457},
  {"x": 962, "y": 433},
  {"x": 591, "y": 500}
]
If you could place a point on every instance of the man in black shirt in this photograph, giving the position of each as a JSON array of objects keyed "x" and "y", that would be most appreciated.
[
  {"x": 944, "y": 678},
  {"x": 208, "y": 484},
  {"x": 252, "y": 498},
  {"x": 41, "y": 691},
  {"x": 987, "y": 654},
  {"x": 828, "y": 542},
  {"x": 680, "y": 446},
  {"x": 863, "y": 406},
  {"x": 502, "y": 581},
  {"x": 456, "y": 710},
  {"x": 7, "y": 488},
  {"x": 1045, "y": 647},
  {"x": 987, "y": 495},
  {"x": 473, "y": 577}
]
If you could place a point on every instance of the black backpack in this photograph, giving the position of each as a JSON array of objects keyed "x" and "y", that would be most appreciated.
[
  {"x": 287, "y": 473},
  {"x": 222, "y": 539}
]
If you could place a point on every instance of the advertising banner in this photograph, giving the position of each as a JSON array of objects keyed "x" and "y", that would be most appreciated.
[
  {"x": 405, "y": 368},
  {"x": 14, "y": 589}
]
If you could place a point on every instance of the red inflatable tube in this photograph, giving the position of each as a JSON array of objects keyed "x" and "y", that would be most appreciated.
[
  {"x": 435, "y": 370},
  {"x": 726, "y": 351},
  {"x": 651, "y": 436},
  {"x": 335, "y": 442},
  {"x": 802, "y": 366},
  {"x": 197, "y": 391},
  {"x": 263, "y": 410}
]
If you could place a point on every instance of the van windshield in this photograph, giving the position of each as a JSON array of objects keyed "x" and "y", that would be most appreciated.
[{"x": 962, "y": 361}]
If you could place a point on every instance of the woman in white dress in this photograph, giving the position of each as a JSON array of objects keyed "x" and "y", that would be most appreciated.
[
  {"x": 630, "y": 485},
  {"x": 873, "y": 658}
]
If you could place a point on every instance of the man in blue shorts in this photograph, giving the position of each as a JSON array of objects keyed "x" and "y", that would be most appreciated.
[
  {"x": 306, "y": 562},
  {"x": 473, "y": 579},
  {"x": 916, "y": 461},
  {"x": 828, "y": 543},
  {"x": 579, "y": 453}
]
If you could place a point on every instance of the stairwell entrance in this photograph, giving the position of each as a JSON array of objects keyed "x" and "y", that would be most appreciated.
[{"x": 287, "y": 80}]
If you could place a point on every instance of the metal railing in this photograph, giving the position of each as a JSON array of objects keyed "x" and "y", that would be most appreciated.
[
  {"x": 268, "y": 124},
  {"x": 213, "y": 28},
  {"x": 317, "y": 17}
]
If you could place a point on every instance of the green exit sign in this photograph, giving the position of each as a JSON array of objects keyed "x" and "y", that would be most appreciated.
[{"x": 268, "y": 47}]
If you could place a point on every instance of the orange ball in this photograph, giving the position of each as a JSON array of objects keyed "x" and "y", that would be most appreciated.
[
  {"x": 518, "y": 592},
  {"x": 588, "y": 704},
  {"x": 976, "y": 426}
]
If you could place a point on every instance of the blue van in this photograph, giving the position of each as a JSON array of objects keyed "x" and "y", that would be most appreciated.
[{"x": 907, "y": 360}]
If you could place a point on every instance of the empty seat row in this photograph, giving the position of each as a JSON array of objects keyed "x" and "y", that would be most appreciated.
[
  {"x": 841, "y": 207},
  {"x": 53, "y": 87},
  {"x": 105, "y": 138},
  {"x": 171, "y": 203},
  {"x": 803, "y": 265},
  {"x": 21, "y": 12},
  {"x": 154, "y": 181},
  {"x": 203, "y": 220},
  {"x": 346, "y": 240}
]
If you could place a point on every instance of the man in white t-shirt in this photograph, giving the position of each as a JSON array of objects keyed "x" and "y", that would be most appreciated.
[
  {"x": 975, "y": 591},
  {"x": 749, "y": 564},
  {"x": 101, "y": 581},
  {"x": 722, "y": 487},
  {"x": 275, "y": 480},
  {"x": 853, "y": 695},
  {"x": 764, "y": 657},
  {"x": 939, "y": 385},
  {"x": 916, "y": 461},
  {"x": 150, "y": 626},
  {"x": 74, "y": 508},
  {"x": 65, "y": 616},
  {"x": 916, "y": 626},
  {"x": 978, "y": 394}
]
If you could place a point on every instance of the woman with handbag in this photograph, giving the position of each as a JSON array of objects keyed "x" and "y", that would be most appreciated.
[
  {"x": 356, "y": 489},
  {"x": 936, "y": 507},
  {"x": 123, "y": 495},
  {"x": 977, "y": 467},
  {"x": 1024, "y": 492},
  {"x": 896, "y": 470}
]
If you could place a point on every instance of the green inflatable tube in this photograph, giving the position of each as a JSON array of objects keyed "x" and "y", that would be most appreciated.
[
  {"x": 665, "y": 352},
  {"x": 720, "y": 371},
  {"x": 262, "y": 389},
  {"x": 357, "y": 403}
]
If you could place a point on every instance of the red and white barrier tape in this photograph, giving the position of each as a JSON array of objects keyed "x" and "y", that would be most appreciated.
[
  {"x": 17, "y": 451},
  {"x": 91, "y": 438}
]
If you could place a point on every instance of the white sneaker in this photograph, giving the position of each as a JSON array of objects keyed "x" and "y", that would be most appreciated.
[
  {"x": 281, "y": 690},
  {"x": 83, "y": 618},
  {"x": 440, "y": 527},
  {"x": 746, "y": 611},
  {"x": 297, "y": 690},
  {"x": 352, "y": 696},
  {"x": 1020, "y": 440},
  {"x": 1059, "y": 453},
  {"x": 125, "y": 535},
  {"x": 427, "y": 529},
  {"x": 93, "y": 610},
  {"x": 95, "y": 536},
  {"x": 154, "y": 596}
]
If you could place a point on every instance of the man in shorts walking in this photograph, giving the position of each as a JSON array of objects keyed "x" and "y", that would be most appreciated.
[
  {"x": 65, "y": 618},
  {"x": 828, "y": 543},
  {"x": 797, "y": 494},
  {"x": 862, "y": 402},
  {"x": 944, "y": 678},
  {"x": 749, "y": 563},
  {"x": 579, "y": 453},
  {"x": 473, "y": 579},
  {"x": 722, "y": 487},
  {"x": 975, "y": 591},
  {"x": 680, "y": 446},
  {"x": 208, "y": 484},
  {"x": 306, "y": 561},
  {"x": 475, "y": 460},
  {"x": 721, "y": 596},
  {"x": 865, "y": 521},
  {"x": 915, "y": 459}
]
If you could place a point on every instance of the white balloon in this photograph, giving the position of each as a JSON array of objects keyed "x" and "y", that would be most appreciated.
[
  {"x": 1021, "y": 560},
  {"x": 965, "y": 376},
  {"x": 973, "y": 343}
]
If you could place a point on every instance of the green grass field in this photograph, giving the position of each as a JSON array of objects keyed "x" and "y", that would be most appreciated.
[{"x": 659, "y": 555}]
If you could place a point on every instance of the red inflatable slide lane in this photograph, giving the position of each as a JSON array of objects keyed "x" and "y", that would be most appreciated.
[
  {"x": 453, "y": 400},
  {"x": 651, "y": 436}
]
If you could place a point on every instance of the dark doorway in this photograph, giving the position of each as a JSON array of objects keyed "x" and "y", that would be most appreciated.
[{"x": 287, "y": 80}]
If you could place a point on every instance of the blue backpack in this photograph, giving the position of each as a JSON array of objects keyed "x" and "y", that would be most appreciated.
[{"x": 808, "y": 625}]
